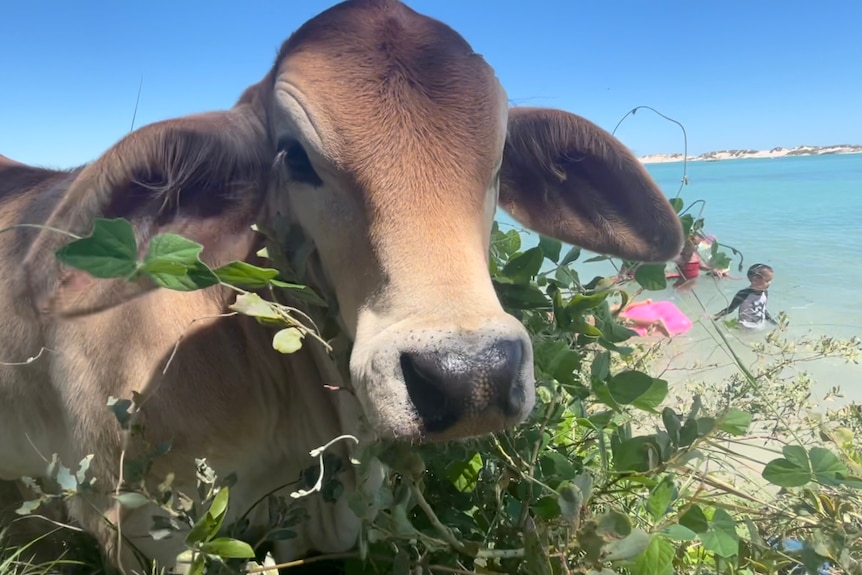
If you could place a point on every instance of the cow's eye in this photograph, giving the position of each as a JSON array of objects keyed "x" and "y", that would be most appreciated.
[{"x": 294, "y": 158}]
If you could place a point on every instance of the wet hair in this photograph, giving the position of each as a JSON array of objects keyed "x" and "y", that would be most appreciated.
[{"x": 757, "y": 270}]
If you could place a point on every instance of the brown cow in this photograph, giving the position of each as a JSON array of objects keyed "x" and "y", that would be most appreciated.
[{"x": 388, "y": 142}]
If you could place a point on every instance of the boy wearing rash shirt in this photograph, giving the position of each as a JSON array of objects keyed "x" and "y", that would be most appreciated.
[{"x": 751, "y": 301}]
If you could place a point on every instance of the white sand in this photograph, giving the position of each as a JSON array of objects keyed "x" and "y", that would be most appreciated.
[{"x": 747, "y": 154}]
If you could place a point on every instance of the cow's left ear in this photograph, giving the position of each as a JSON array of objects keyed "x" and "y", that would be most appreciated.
[
  {"x": 567, "y": 178},
  {"x": 202, "y": 177}
]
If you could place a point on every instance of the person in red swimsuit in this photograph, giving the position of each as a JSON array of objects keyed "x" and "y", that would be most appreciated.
[{"x": 690, "y": 264}]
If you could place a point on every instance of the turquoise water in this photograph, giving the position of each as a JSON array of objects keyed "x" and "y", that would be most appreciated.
[{"x": 802, "y": 216}]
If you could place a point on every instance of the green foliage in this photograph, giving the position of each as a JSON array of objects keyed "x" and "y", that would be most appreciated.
[
  {"x": 609, "y": 475},
  {"x": 173, "y": 262},
  {"x": 110, "y": 252}
]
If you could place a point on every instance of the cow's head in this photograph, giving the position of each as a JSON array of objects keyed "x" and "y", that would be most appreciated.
[{"x": 390, "y": 143}]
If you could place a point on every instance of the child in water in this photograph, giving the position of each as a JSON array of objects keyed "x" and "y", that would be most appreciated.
[{"x": 751, "y": 301}]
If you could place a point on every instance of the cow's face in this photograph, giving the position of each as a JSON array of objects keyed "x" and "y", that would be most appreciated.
[{"x": 391, "y": 135}]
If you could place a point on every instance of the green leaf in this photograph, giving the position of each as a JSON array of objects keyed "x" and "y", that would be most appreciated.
[
  {"x": 586, "y": 329},
  {"x": 509, "y": 243},
  {"x": 287, "y": 340},
  {"x": 600, "y": 390},
  {"x": 792, "y": 470},
  {"x": 208, "y": 526},
  {"x": 524, "y": 267},
  {"x": 687, "y": 222},
  {"x": 677, "y": 204},
  {"x": 110, "y": 251},
  {"x": 596, "y": 259},
  {"x": 695, "y": 519},
  {"x": 228, "y": 548},
  {"x": 705, "y": 425},
  {"x": 600, "y": 420},
  {"x": 656, "y": 559},
  {"x": 629, "y": 547},
  {"x": 547, "y": 508},
  {"x": 735, "y": 422},
  {"x": 651, "y": 276},
  {"x": 570, "y": 499},
  {"x": 688, "y": 433},
  {"x": 566, "y": 276},
  {"x": 813, "y": 561},
  {"x": 827, "y": 468},
  {"x": 660, "y": 498},
  {"x": 242, "y": 274},
  {"x": 571, "y": 256},
  {"x": 628, "y": 386},
  {"x": 198, "y": 565},
  {"x": 796, "y": 455},
  {"x": 253, "y": 305},
  {"x": 218, "y": 508},
  {"x": 653, "y": 396},
  {"x": 556, "y": 464},
  {"x": 679, "y": 532},
  {"x": 580, "y": 302},
  {"x": 672, "y": 424},
  {"x": 785, "y": 474},
  {"x": 203, "y": 529},
  {"x": 550, "y": 247},
  {"x": 520, "y": 296},
  {"x": 465, "y": 474},
  {"x": 173, "y": 262},
  {"x": 614, "y": 523},
  {"x": 584, "y": 484},
  {"x": 193, "y": 278},
  {"x": 721, "y": 538},
  {"x": 638, "y": 454},
  {"x": 564, "y": 365},
  {"x": 300, "y": 292},
  {"x": 601, "y": 366}
]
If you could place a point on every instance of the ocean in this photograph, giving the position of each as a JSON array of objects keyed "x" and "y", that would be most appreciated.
[{"x": 800, "y": 215}]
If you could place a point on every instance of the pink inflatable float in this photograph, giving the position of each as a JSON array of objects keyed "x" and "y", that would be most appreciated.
[{"x": 674, "y": 319}]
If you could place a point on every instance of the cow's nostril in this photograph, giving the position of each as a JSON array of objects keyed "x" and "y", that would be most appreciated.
[
  {"x": 424, "y": 379},
  {"x": 447, "y": 386},
  {"x": 505, "y": 377}
]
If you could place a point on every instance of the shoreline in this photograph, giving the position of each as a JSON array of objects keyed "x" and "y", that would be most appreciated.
[{"x": 779, "y": 152}]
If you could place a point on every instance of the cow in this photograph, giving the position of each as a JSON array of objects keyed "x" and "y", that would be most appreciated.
[{"x": 386, "y": 144}]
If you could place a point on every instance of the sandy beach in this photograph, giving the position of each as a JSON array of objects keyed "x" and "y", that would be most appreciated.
[{"x": 778, "y": 152}]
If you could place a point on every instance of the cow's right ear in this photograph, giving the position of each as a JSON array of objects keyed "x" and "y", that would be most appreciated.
[
  {"x": 203, "y": 177},
  {"x": 567, "y": 178}
]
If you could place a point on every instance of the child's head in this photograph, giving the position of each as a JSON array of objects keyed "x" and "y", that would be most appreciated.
[{"x": 760, "y": 276}]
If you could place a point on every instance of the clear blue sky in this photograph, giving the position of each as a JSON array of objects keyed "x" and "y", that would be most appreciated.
[{"x": 738, "y": 74}]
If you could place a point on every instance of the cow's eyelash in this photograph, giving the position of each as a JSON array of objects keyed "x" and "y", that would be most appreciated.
[{"x": 293, "y": 157}]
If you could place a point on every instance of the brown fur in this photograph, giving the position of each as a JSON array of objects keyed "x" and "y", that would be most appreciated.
[{"x": 381, "y": 137}]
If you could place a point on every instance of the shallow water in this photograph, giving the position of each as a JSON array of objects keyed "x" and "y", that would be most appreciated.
[{"x": 800, "y": 215}]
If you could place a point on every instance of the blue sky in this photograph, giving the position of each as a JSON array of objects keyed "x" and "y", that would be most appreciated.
[{"x": 737, "y": 74}]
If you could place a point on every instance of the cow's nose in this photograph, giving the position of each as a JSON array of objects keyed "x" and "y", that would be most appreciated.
[{"x": 447, "y": 386}]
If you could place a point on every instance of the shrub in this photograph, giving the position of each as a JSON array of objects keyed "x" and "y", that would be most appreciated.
[{"x": 609, "y": 475}]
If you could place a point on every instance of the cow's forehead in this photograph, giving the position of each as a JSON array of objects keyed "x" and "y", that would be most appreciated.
[{"x": 376, "y": 75}]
